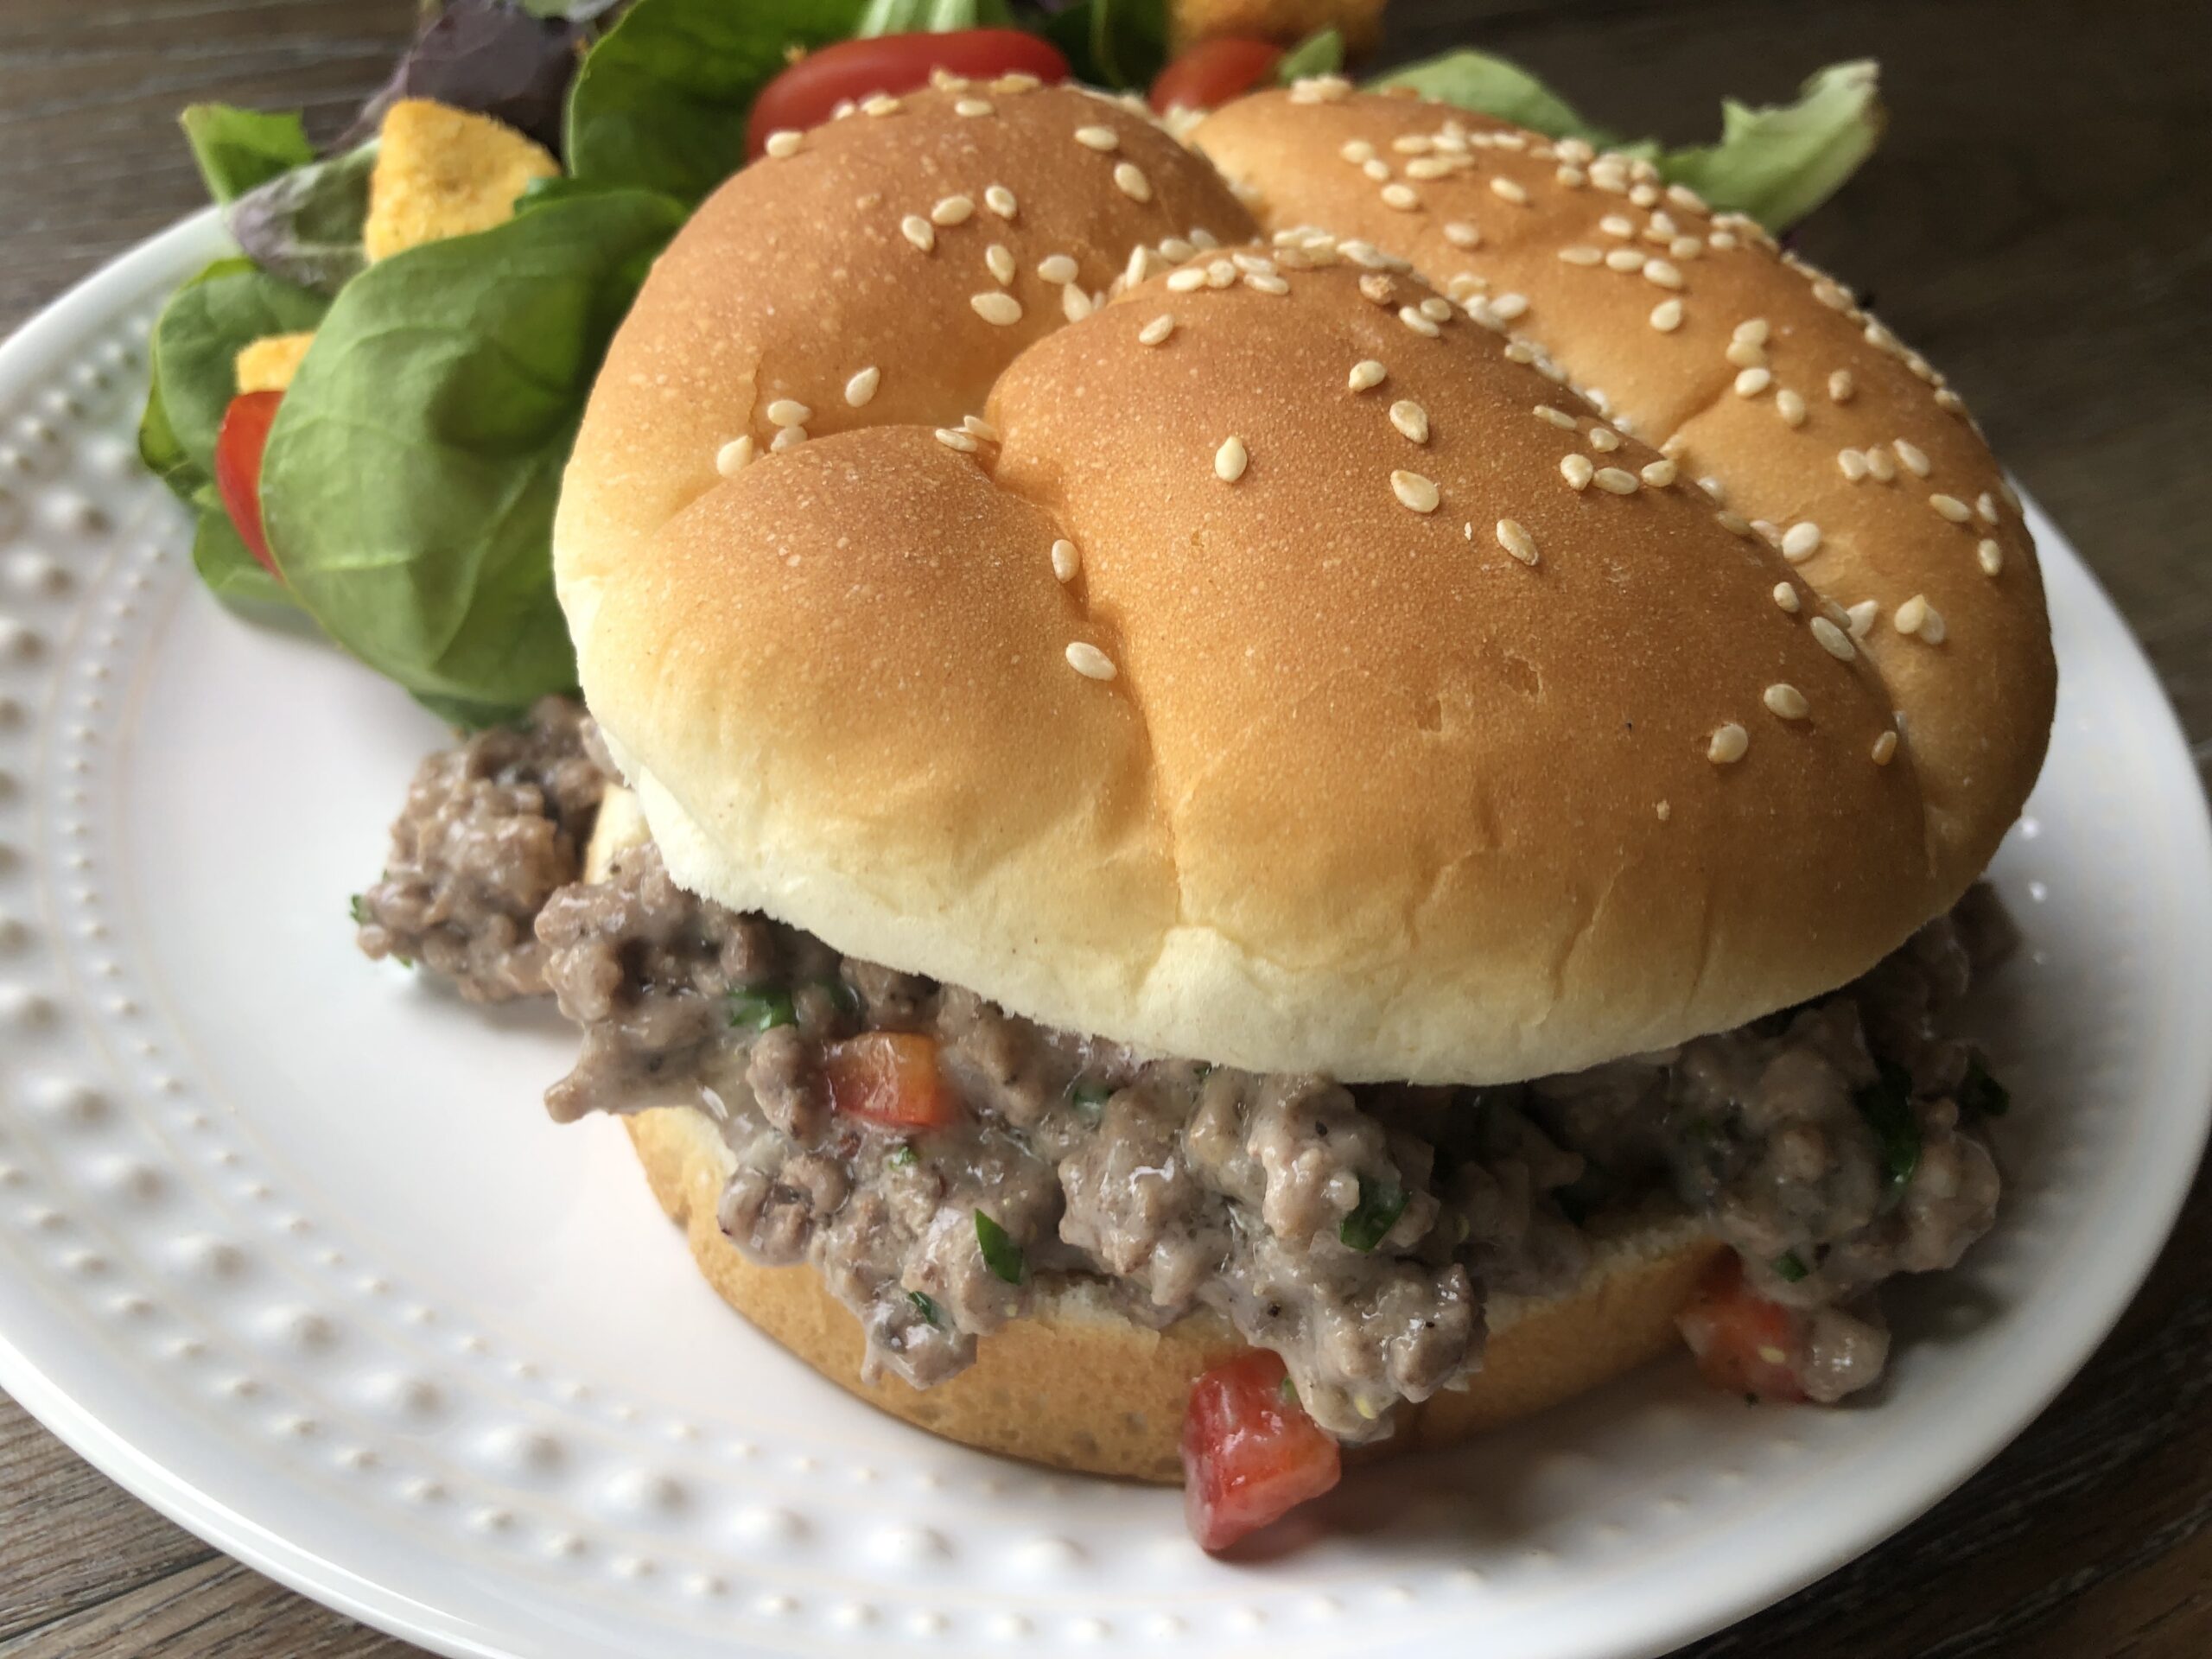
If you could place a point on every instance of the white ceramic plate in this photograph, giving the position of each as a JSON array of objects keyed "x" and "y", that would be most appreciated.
[{"x": 288, "y": 1247}]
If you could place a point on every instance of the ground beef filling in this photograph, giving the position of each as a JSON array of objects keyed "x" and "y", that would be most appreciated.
[
  {"x": 491, "y": 829},
  {"x": 1357, "y": 1232}
]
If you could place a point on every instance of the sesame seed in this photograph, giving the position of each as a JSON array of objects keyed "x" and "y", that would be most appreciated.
[
  {"x": 1832, "y": 639},
  {"x": 1066, "y": 562},
  {"x": 1789, "y": 406},
  {"x": 789, "y": 412},
  {"x": 1221, "y": 273},
  {"x": 1558, "y": 417},
  {"x": 1800, "y": 541},
  {"x": 976, "y": 426},
  {"x": 1833, "y": 296},
  {"x": 1729, "y": 744},
  {"x": 1187, "y": 280},
  {"x": 861, "y": 386},
  {"x": 1582, "y": 254},
  {"x": 1841, "y": 386},
  {"x": 1880, "y": 466},
  {"x": 999, "y": 200},
  {"x": 953, "y": 438},
  {"x": 1985, "y": 507},
  {"x": 1509, "y": 190},
  {"x": 1129, "y": 180},
  {"x": 1785, "y": 700},
  {"x": 1662, "y": 272},
  {"x": 1089, "y": 661},
  {"x": 788, "y": 438},
  {"x": 1261, "y": 282},
  {"x": 917, "y": 230},
  {"x": 1464, "y": 285},
  {"x": 1156, "y": 331},
  {"x": 1658, "y": 473},
  {"x": 1751, "y": 382},
  {"x": 1411, "y": 143},
  {"x": 1667, "y": 316},
  {"x": 1734, "y": 523},
  {"x": 1721, "y": 240},
  {"x": 1862, "y": 617},
  {"x": 1420, "y": 324},
  {"x": 1357, "y": 150},
  {"x": 782, "y": 142},
  {"x": 1097, "y": 139},
  {"x": 1626, "y": 259},
  {"x": 1018, "y": 81},
  {"x": 1460, "y": 234},
  {"x": 1075, "y": 304},
  {"x": 1614, "y": 481},
  {"x": 1913, "y": 456},
  {"x": 1885, "y": 747},
  {"x": 1000, "y": 260},
  {"x": 1852, "y": 464},
  {"x": 1786, "y": 597},
  {"x": 1990, "y": 556},
  {"x": 1253, "y": 264},
  {"x": 881, "y": 103},
  {"x": 1401, "y": 196},
  {"x": 1604, "y": 439},
  {"x": 1433, "y": 166},
  {"x": 1002, "y": 310},
  {"x": 1643, "y": 195},
  {"x": 1437, "y": 308},
  {"x": 1365, "y": 373},
  {"x": 972, "y": 106},
  {"x": 1057, "y": 268},
  {"x": 1715, "y": 491},
  {"x": 1415, "y": 492},
  {"x": 1377, "y": 171},
  {"x": 1411, "y": 420},
  {"x": 1578, "y": 470},
  {"x": 953, "y": 210},
  {"x": 1230, "y": 459},
  {"x": 734, "y": 457},
  {"x": 1175, "y": 250},
  {"x": 1510, "y": 306},
  {"x": 1617, "y": 225},
  {"x": 1745, "y": 353},
  {"x": 1951, "y": 507},
  {"x": 1516, "y": 541}
]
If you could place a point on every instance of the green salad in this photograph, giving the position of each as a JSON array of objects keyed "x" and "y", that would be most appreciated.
[{"x": 369, "y": 405}]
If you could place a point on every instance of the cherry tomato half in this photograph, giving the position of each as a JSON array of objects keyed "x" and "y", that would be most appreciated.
[
  {"x": 803, "y": 95},
  {"x": 1250, "y": 1454},
  {"x": 889, "y": 1078},
  {"x": 1213, "y": 71},
  {"x": 239, "y": 442},
  {"x": 1743, "y": 1343}
]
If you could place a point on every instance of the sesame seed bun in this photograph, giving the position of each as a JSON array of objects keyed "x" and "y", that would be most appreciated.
[
  {"x": 1077, "y": 1384},
  {"x": 1814, "y": 382},
  {"x": 1287, "y": 672}
]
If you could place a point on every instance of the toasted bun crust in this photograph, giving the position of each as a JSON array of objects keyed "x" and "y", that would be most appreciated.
[
  {"x": 1976, "y": 697},
  {"x": 1366, "y": 794},
  {"x": 1081, "y": 1386}
]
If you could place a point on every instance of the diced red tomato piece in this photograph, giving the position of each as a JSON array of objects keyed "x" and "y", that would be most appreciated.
[
  {"x": 1743, "y": 1343},
  {"x": 889, "y": 1078},
  {"x": 803, "y": 95},
  {"x": 1213, "y": 71},
  {"x": 1250, "y": 1454},
  {"x": 239, "y": 442}
]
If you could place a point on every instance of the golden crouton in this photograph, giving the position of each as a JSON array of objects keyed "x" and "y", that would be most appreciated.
[
  {"x": 443, "y": 172},
  {"x": 270, "y": 363}
]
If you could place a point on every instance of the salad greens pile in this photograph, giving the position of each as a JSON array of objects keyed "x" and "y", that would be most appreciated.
[{"x": 410, "y": 479}]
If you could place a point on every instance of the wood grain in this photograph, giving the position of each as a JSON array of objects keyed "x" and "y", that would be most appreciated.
[{"x": 2038, "y": 221}]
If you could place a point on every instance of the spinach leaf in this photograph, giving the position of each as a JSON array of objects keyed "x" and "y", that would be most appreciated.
[
  {"x": 1790, "y": 1268},
  {"x": 759, "y": 1010},
  {"x": 410, "y": 478},
  {"x": 232, "y": 574},
  {"x": 305, "y": 226},
  {"x": 1001, "y": 1254},
  {"x": 926, "y": 1306},
  {"x": 513, "y": 62},
  {"x": 1117, "y": 43},
  {"x": 1381, "y": 1204},
  {"x": 1887, "y": 1108},
  {"x": 196, "y": 341},
  {"x": 1488, "y": 86},
  {"x": 1321, "y": 53},
  {"x": 662, "y": 101},
  {"x": 931, "y": 17},
  {"x": 1778, "y": 164},
  {"x": 239, "y": 149}
]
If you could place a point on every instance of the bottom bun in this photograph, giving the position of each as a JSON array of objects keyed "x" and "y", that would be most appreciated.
[{"x": 1079, "y": 1385}]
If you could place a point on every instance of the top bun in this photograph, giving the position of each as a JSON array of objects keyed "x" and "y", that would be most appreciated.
[{"x": 1352, "y": 735}]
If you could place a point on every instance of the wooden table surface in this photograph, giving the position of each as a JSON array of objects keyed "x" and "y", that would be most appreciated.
[{"x": 2039, "y": 221}]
